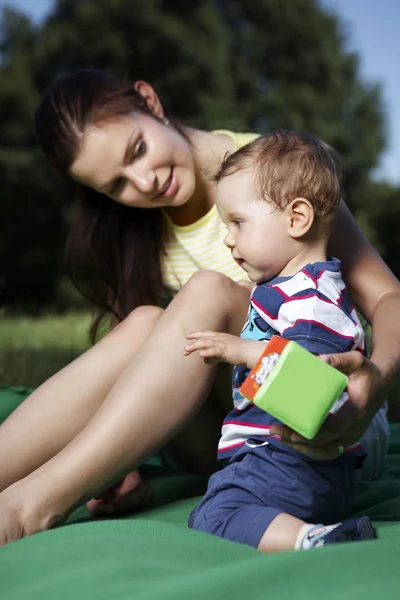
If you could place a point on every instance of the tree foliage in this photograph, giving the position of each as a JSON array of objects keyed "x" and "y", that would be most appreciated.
[{"x": 245, "y": 65}]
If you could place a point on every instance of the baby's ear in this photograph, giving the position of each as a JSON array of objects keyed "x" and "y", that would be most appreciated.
[{"x": 301, "y": 217}]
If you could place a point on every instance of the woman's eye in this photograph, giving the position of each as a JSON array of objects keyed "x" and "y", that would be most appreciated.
[{"x": 140, "y": 148}]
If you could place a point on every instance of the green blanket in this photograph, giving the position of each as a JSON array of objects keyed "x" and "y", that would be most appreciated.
[{"x": 153, "y": 555}]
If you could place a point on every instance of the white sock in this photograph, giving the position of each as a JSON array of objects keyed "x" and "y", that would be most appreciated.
[{"x": 312, "y": 535}]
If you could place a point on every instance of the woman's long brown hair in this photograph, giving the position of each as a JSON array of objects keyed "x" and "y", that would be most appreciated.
[{"x": 113, "y": 252}]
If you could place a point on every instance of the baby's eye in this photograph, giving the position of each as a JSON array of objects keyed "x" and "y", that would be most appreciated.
[{"x": 238, "y": 222}]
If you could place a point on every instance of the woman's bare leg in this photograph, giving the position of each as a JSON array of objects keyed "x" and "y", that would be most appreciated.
[
  {"x": 194, "y": 449},
  {"x": 59, "y": 409},
  {"x": 149, "y": 405}
]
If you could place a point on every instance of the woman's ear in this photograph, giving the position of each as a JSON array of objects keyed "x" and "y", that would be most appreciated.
[
  {"x": 150, "y": 97},
  {"x": 301, "y": 217}
]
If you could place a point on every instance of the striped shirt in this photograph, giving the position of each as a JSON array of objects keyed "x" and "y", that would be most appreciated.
[
  {"x": 200, "y": 244},
  {"x": 312, "y": 308}
]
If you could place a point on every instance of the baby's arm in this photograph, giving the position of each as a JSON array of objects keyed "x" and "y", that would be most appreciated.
[{"x": 224, "y": 347}]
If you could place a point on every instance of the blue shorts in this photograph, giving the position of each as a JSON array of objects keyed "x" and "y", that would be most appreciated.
[{"x": 259, "y": 483}]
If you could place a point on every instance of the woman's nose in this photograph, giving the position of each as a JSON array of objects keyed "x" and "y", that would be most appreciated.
[{"x": 143, "y": 179}]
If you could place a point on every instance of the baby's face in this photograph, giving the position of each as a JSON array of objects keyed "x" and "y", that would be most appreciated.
[{"x": 257, "y": 230}]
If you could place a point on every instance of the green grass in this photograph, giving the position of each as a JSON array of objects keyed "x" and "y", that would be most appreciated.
[{"x": 33, "y": 349}]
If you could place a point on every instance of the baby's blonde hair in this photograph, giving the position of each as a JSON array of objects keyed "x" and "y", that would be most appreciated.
[{"x": 289, "y": 165}]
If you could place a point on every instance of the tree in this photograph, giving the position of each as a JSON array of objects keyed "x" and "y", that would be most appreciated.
[
  {"x": 246, "y": 65},
  {"x": 32, "y": 223}
]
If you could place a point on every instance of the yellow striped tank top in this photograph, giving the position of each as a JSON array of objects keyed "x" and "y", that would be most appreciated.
[{"x": 200, "y": 244}]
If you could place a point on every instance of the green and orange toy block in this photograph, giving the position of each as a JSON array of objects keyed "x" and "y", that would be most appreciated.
[{"x": 294, "y": 386}]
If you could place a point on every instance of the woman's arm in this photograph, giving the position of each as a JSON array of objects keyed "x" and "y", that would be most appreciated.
[
  {"x": 376, "y": 293},
  {"x": 373, "y": 287}
]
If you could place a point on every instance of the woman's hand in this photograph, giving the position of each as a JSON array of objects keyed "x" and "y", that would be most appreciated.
[
  {"x": 128, "y": 495},
  {"x": 367, "y": 389}
]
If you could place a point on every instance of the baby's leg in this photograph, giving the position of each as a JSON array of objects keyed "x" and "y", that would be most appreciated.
[
  {"x": 281, "y": 534},
  {"x": 286, "y": 532},
  {"x": 234, "y": 507},
  {"x": 274, "y": 501}
]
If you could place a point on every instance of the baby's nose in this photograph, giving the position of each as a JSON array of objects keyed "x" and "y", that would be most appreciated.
[{"x": 229, "y": 240}]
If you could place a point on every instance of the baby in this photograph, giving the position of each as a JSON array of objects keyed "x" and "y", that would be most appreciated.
[{"x": 278, "y": 197}]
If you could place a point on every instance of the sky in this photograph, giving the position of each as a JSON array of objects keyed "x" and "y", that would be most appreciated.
[{"x": 372, "y": 31}]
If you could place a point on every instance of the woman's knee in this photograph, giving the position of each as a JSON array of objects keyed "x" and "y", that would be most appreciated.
[
  {"x": 146, "y": 315},
  {"x": 207, "y": 279},
  {"x": 221, "y": 294},
  {"x": 141, "y": 318}
]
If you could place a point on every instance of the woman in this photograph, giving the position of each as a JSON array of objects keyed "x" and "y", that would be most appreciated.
[{"x": 134, "y": 391}]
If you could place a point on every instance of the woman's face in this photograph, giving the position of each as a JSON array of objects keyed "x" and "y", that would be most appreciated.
[{"x": 136, "y": 160}]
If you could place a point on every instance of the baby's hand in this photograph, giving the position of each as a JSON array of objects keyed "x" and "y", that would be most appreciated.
[{"x": 217, "y": 347}]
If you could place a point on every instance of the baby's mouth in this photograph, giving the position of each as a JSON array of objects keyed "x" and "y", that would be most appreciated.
[{"x": 239, "y": 261}]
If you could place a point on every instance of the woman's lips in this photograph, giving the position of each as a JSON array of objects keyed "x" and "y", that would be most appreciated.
[{"x": 172, "y": 187}]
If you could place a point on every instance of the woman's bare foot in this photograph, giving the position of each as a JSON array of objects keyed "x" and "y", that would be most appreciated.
[{"x": 128, "y": 495}]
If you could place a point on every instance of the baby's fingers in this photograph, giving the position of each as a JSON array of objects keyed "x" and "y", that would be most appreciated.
[
  {"x": 200, "y": 334},
  {"x": 210, "y": 355},
  {"x": 200, "y": 345}
]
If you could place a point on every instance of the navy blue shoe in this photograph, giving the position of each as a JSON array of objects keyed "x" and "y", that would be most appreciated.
[{"x": 354, "y": 530}]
